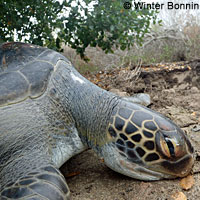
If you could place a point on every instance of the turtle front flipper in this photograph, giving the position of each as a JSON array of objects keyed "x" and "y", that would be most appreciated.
[
  {"x": 44, "y": 183},
  {"x": 140, "y": 98}
]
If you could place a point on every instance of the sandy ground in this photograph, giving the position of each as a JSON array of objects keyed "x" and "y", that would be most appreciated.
[{"x": 174, "y": 93}]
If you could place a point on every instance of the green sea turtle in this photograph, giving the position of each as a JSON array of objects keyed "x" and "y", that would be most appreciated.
[{"x": 49, "y": 113}]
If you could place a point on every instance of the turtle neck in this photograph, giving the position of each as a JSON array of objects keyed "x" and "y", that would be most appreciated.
[{"x": 90, "y": 106}]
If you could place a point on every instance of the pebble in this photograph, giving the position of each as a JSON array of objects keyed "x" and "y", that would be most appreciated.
[
  {"x": 179, "y": 196},
  {"x": 182, "y": 87},
  {"x": 194, "y": 90},
  {"x": 169, "y": 91}
]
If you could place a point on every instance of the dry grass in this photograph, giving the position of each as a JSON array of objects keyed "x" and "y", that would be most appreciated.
[{"x": 161, "y": 45}]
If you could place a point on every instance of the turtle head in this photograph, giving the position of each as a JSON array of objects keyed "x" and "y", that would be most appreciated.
[{"x": 145, "y": 145}]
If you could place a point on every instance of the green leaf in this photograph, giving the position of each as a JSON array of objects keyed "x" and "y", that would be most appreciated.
[{"x": 106, "y": 25}]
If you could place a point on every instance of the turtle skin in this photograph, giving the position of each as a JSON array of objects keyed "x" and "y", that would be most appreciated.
[{"x": 49, "y": 113}]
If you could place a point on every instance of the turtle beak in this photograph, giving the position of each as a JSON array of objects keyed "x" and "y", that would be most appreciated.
[{"x": 180, "y": 168}]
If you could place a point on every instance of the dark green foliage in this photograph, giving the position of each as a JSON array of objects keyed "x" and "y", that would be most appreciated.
[
  {"x": 105, "y": 25},
  {"x": 16, "y": 15}
]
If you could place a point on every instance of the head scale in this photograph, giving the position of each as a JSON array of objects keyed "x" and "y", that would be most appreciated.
[{"x": 145, "y": 145}]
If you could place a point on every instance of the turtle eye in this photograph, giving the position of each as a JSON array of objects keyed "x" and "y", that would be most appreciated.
[
  {"x": 170, "y": 146},
  {"x": 167, "y": 147}
]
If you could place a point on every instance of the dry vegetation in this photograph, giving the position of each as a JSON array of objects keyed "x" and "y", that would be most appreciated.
[{"x": 163, "y": 44}]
